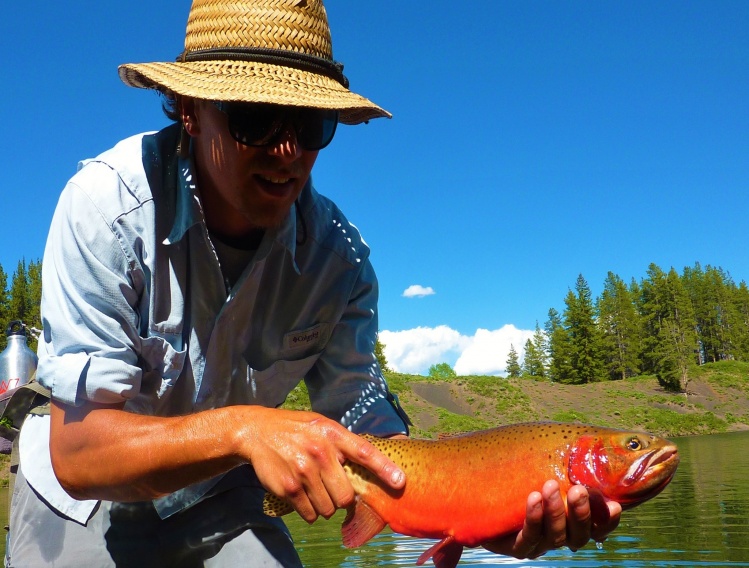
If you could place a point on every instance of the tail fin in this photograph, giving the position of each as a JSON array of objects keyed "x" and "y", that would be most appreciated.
[{"x": 275, "y": 506}]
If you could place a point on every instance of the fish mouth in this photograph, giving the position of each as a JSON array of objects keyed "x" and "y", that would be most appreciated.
[
  {"x": 667, "y": 455},
  {"x": 649, "y": 475},
  {"x": 651, "y": 464}
]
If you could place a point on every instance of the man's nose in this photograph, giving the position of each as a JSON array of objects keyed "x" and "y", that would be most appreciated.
[{"x": 286, "y": 145}]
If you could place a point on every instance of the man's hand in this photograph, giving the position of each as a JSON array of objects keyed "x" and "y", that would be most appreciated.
[
  {"x": 548, "y": 526},
  {"x": 298, "y": 456},
  {"x": 104, "y": 452}
]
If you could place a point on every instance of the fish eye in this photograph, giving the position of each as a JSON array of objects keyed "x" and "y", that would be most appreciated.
[{"x": 634, "y": 444}]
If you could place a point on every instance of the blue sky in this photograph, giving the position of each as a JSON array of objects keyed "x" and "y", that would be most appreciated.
[{"x": 531, "y": 142}]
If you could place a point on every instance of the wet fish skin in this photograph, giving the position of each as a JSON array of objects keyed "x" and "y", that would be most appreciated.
[{"x": 470, "y": 489}]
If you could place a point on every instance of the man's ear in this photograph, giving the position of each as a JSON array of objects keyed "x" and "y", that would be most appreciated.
[{"x": 189, "y": 116}]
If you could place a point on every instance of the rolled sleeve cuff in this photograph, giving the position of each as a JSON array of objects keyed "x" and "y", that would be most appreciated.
[
  {"x": 380, "y": 416},
  {"x": 36, "y": 465},
  {"x": 77, "y": 377}
]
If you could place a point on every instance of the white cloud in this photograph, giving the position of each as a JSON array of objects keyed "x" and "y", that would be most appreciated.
[
  {"x": 417, "y": 291},
  {"x": 488, "y": 351},
  {"x": 415, "y": 350},
  {"x": 483, "y": 353}
]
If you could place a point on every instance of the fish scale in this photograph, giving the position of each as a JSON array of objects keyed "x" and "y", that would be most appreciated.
[{"x": 471, "y": 489}]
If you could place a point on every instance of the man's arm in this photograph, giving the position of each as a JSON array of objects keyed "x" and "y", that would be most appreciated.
[{"x": 104, "y": 452}]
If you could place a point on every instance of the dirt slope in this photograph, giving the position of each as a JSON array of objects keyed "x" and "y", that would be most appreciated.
[{"x": 715, "y": 400}]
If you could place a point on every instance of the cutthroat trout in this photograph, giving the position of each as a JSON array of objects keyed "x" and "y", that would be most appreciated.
[{"x": 470, "y": 489}]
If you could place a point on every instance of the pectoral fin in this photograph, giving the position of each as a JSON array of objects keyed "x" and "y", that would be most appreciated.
[
  {"x": 445, "y": 554},
  {"x": 361, "y": 524},
  {"x": 599, "y": 510}
]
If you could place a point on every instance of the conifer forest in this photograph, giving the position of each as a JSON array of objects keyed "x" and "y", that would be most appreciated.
[
  {"x": 660, "y": 325},
  {"x": 20, "y": 299}
]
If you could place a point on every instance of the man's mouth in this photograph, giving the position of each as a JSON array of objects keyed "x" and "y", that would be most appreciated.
[{"x": 273, "y": 179}]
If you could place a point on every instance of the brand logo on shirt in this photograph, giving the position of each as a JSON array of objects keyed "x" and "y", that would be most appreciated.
[{"x": 307, "y": 337}]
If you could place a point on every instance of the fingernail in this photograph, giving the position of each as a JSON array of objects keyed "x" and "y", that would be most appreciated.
[{"x": 397, "y": 477}]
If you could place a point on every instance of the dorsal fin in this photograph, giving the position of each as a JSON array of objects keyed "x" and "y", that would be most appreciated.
[{"x": 448, "y": 435}]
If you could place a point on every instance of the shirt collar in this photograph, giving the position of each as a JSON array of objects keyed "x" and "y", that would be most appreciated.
[
  {"x": 290, "y": 232},
  {"x": 188, "y": 211}
]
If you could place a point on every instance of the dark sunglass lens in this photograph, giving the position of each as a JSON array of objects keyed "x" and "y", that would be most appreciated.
[
  {"x": 254, "y": 125},
  {"x": 260, "y": 125},
  {"x": 315, "y": 128}
]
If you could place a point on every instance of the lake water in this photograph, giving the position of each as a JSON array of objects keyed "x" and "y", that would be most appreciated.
[{"x": 700, "y": 519}]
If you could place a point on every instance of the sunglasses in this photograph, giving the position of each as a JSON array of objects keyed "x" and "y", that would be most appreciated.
[{"x": 262, "y": 124}]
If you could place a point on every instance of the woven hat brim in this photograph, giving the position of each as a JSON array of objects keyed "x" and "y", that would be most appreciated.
[{"x": 253, "y": 83}]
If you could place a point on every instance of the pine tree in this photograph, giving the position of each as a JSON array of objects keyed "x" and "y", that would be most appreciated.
[
  {"x": 379, "y": 352},
  {"x": 513, "y": 368},
  {"x": 34, "y": 300},
  {"x": 619, "y": 323},
  {"x": 560, "y": 369},
  {"x": 653, "y": 310},
  {"x": 541, "y": 343},
  {"x": 19, "y": 294},
  {"x": 585, "y": 339},
  {"x": 4, "y": 308},
  {"x": 682, "y": 329},
  {"x": 672, "y": 341},
  {"x": 535, "y": 363},
  {"x": 741, "y": 309},
  {"x": 718, "y": 291},
  {"x": 708, "y": 292},
  {"x": 531, "y": 361}
]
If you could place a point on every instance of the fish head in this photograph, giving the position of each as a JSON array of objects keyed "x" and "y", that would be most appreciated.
[{"x": 627, "y": 467}]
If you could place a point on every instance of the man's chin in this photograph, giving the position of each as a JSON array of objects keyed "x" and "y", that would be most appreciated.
[{"x": 270, "y": 220}]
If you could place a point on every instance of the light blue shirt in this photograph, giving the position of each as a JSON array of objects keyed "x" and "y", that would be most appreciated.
[{"x": 136, "y": 310}]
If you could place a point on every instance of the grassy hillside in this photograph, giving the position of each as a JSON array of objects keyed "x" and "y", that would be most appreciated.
[{"x": 717, "y": 401}]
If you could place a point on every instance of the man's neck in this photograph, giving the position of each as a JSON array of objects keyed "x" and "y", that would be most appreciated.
[{"x": 247, "y": 241}]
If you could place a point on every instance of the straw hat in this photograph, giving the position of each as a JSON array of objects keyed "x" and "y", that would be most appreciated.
[{"x": 262, "y": 51}]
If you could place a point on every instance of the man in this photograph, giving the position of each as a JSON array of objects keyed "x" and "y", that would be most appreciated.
[{"x": 191, "y": 278}]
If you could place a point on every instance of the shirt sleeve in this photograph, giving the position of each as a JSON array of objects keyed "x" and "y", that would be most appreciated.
[
  {"x": 90, "y": 324},
  {"x": 346, "y": 382}
]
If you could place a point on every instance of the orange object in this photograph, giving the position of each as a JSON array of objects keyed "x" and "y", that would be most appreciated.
[{"x": 470, "y": 489}]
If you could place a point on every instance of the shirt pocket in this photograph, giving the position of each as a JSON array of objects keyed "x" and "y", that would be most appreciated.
[{"x": 270, "y": 386}]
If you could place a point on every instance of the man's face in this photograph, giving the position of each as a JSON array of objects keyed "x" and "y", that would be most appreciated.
[{"x": 244, "y": 188}]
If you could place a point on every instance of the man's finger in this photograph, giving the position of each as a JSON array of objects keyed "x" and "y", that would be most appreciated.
[
  {"x": 532, "y": 533},
  {"x": 524, "y": 543},
  {"x": 338, "y": 489},
  {"x": 599, "y": 532},
  {"x": 367, "y": 455},
  {"x": 579, "y": 518},
  {"x": 294, "y": 493},
  {"x": 555, "y": 515}
]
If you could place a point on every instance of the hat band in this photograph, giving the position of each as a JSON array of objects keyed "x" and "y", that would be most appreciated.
[{"x": 286, "y": 58}]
